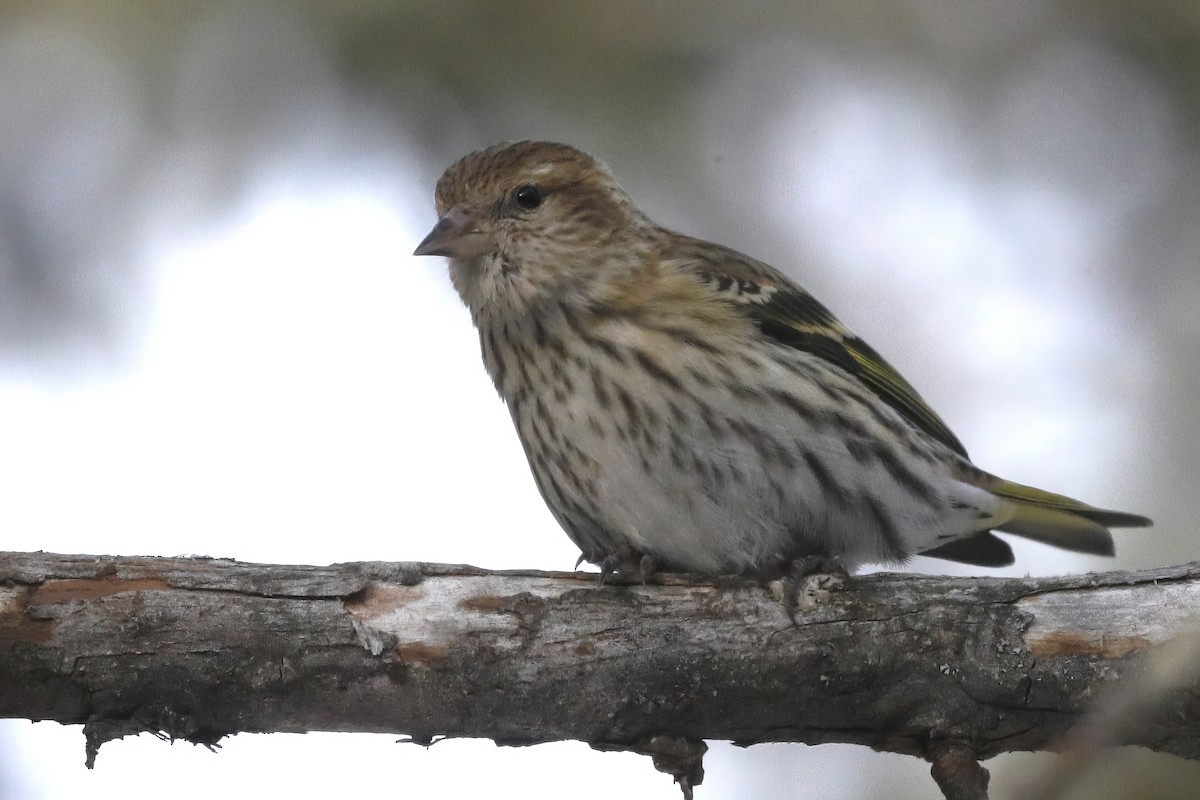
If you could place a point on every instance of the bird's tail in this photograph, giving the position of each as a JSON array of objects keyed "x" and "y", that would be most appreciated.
[{"x": 1060, "y": 521}]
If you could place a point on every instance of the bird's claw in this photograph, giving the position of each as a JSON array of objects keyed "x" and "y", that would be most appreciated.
[
  {"x": 622, "y": 562},
  {"x": 803, "y": 583},
  {"x": 646, "y": 567}
]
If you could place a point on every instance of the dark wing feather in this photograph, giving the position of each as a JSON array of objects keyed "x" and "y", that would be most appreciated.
[
  {"x": 788, "y": 314},
  {"x": 981, "y": 550}
]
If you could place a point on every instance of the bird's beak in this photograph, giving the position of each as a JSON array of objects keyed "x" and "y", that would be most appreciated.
[{"x": 456, "y": 235}]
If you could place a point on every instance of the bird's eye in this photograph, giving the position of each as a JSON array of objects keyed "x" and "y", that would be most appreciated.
[{"x": 528, "y": 197}]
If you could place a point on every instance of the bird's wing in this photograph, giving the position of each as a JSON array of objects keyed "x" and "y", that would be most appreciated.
[{"x": 789, "y": 315}]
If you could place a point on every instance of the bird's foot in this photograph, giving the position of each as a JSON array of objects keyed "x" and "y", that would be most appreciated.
[
  {"x": 623, "y": 562},
  {"x": 803, "y": 583},
  {"x": 818, "y": 565}
]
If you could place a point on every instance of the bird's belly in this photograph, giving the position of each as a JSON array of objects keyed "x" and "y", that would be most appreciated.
[
  {"x": 708, "y": 507},
  {"x": 725, "y": 497},
  {"x": 722, "y": 478}
]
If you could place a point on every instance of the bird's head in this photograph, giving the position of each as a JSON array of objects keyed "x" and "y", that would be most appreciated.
[{"x": 525, "y": 223}]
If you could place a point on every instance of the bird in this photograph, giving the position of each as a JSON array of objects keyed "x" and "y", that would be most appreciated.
[{"x": 687, "y": 408}]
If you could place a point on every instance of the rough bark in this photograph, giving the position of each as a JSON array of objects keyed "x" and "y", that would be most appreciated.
[{"x": 948, "y": 669}]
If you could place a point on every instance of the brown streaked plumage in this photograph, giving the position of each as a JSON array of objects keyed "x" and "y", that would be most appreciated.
[{"x": 683, "y": 402}]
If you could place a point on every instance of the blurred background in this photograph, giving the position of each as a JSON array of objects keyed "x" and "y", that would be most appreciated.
[{"x": 213, "y": 339}]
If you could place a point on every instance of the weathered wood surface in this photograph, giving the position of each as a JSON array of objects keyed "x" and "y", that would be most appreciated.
[{"x": 199, "y": 648}]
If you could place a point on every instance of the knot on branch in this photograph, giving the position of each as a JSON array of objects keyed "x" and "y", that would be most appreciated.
[
  {"x": 678, "y": 756},
  {"x": 957, "y": 772}
]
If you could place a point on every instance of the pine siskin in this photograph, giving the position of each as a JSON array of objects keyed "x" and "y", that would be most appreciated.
[{"x": 681, "y": 402}]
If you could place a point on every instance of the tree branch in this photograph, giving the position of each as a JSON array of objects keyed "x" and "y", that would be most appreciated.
[{"x": 948, "y": 669}]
